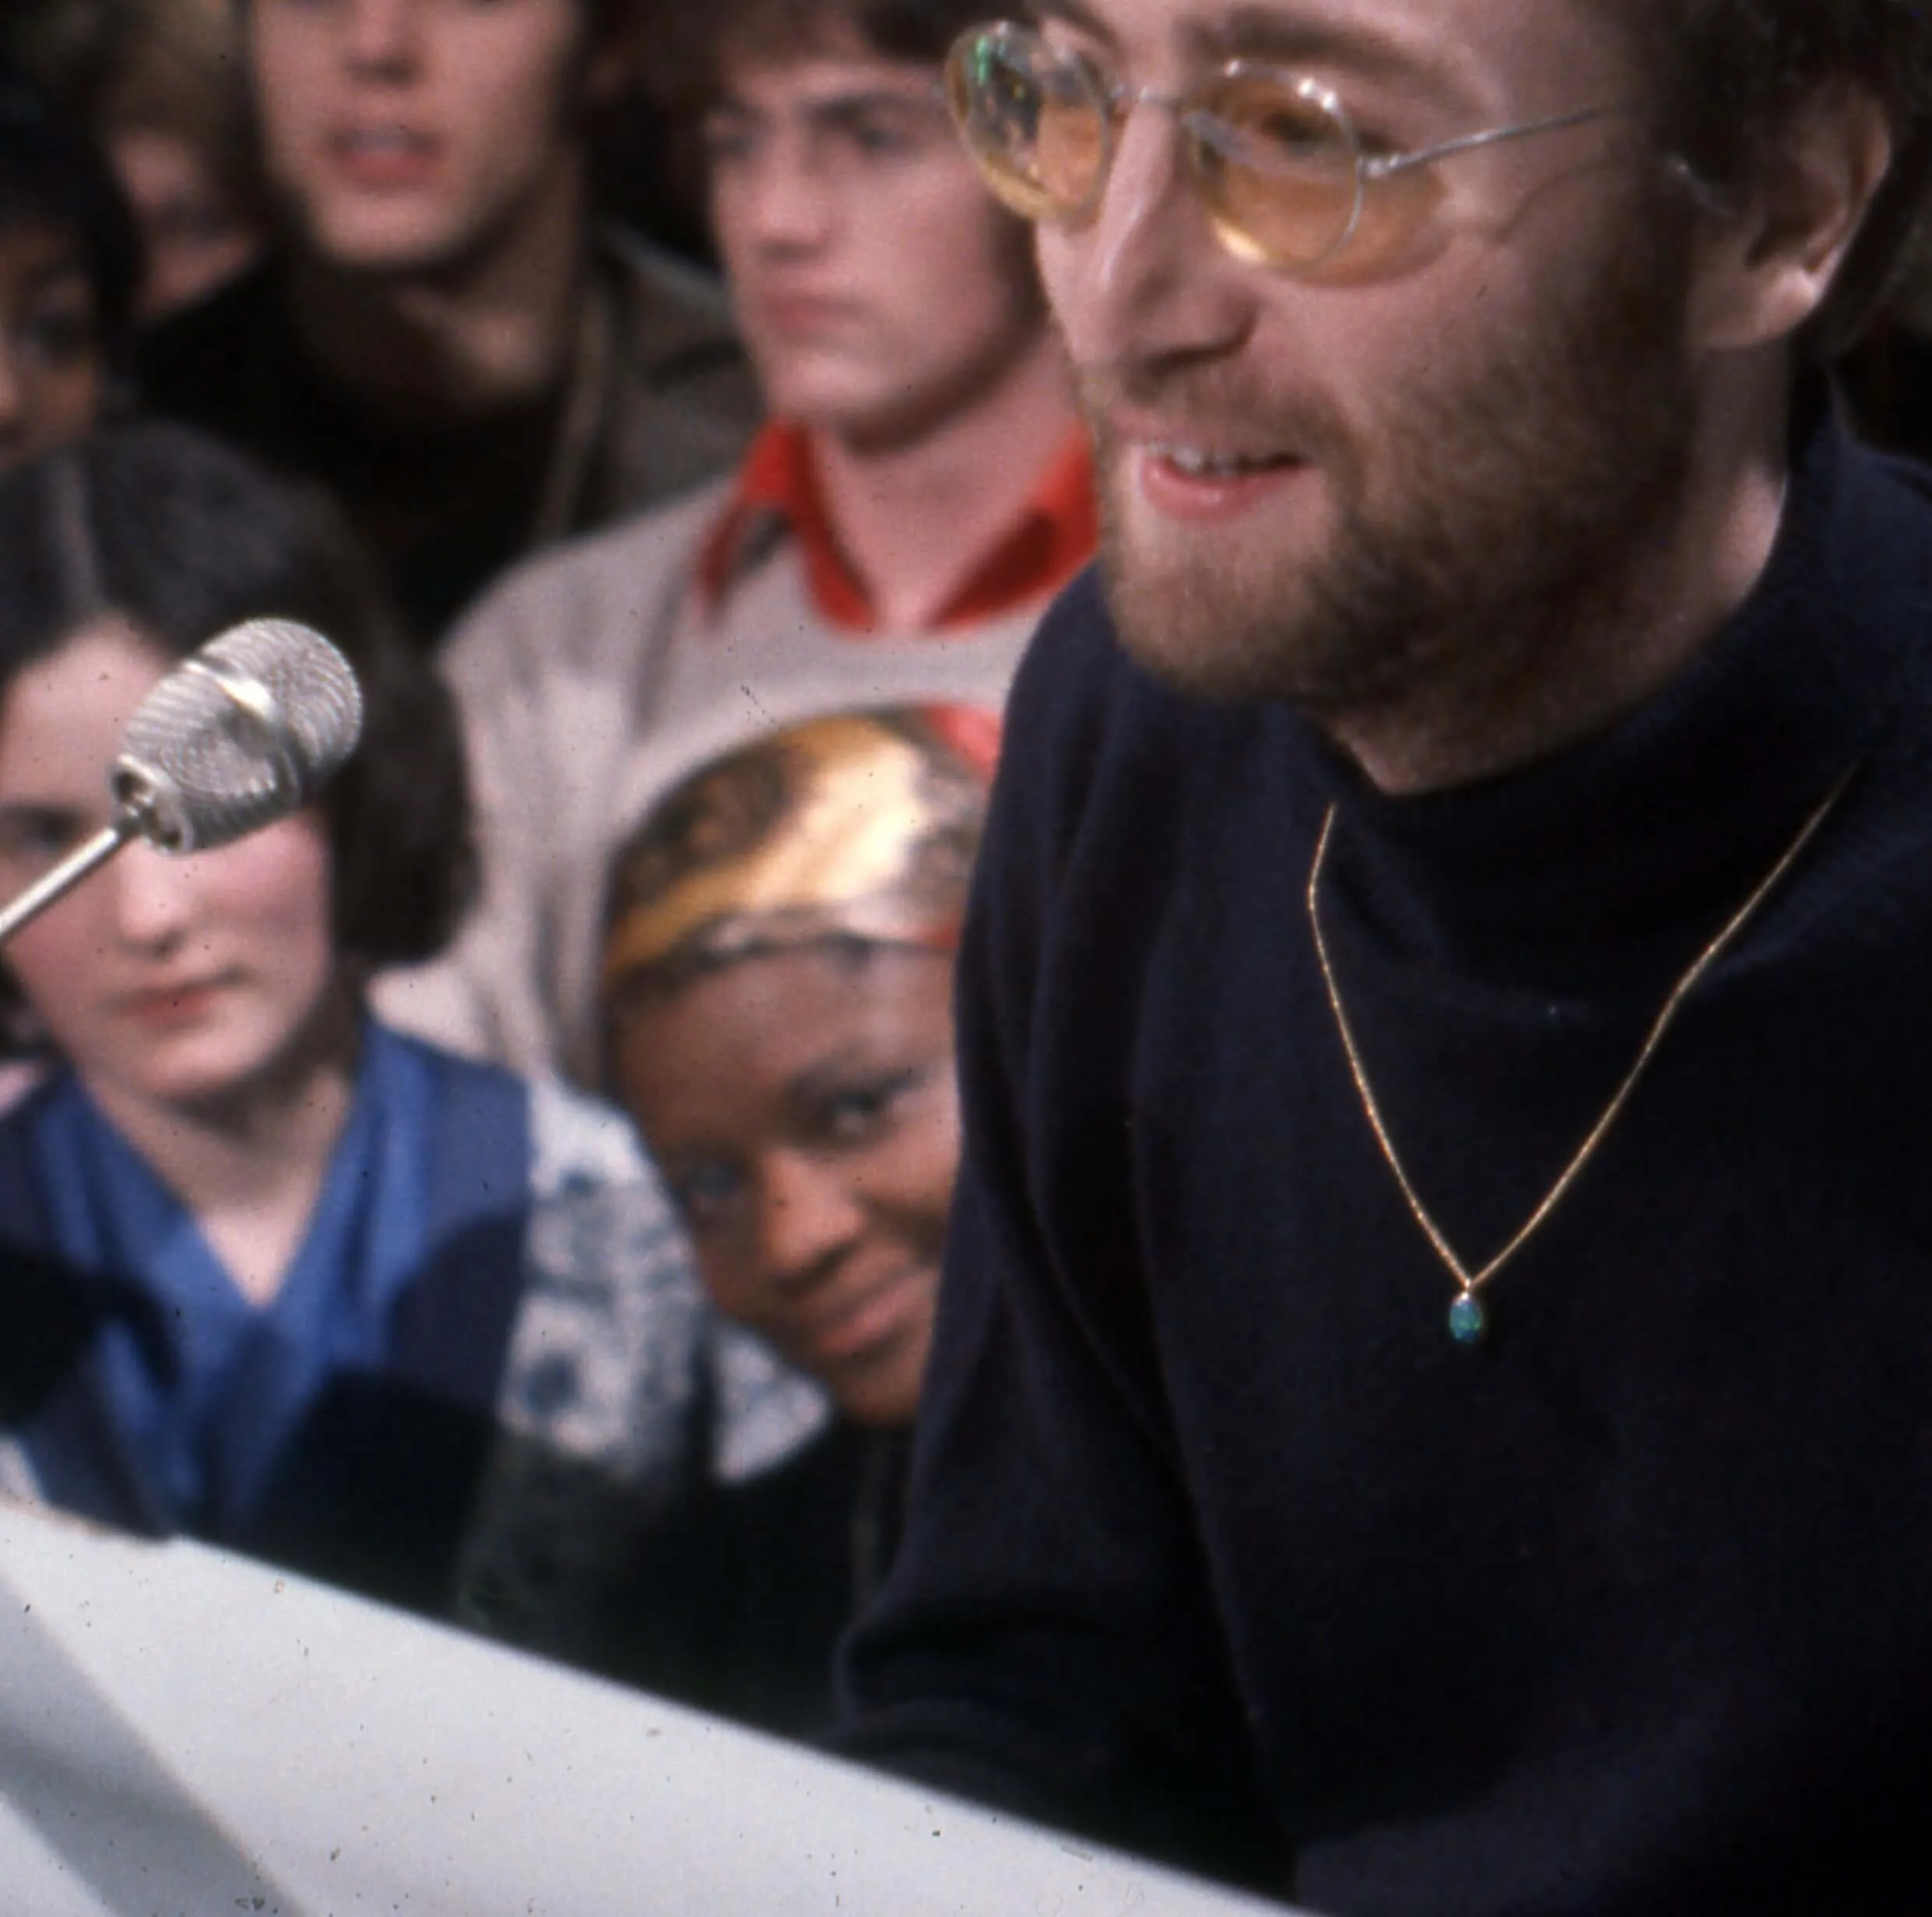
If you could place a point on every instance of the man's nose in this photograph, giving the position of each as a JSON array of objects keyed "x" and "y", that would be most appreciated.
[
  {"x": 1142, "y": 280},
  {"x": 382, "y": 35},
  {"x": 785, "y": 203}
]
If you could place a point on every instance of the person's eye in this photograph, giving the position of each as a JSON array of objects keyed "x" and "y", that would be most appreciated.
[
  {"x": 857, "y": 1113},
  {"x": 36, "y": 837},
  {"x": 1260, "y": 125},
  {"x": 896, "y": 130},
  {"x": 1378, "y": 146},
  {"x": 728, "y": 140},
  {"x": 705, "y": 1190},
  {"x": 878, "y": 137}
]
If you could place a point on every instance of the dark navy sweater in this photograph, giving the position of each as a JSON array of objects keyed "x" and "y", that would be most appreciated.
[{"x": 1218, "y": 1542}]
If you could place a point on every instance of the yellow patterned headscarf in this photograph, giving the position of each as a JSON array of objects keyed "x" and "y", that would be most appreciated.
[{"x": 860, "y": 825}]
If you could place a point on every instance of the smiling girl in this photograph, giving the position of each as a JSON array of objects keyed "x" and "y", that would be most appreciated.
[{"x": 779, "y": 970}]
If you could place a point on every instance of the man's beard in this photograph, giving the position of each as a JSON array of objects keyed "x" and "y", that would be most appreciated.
[{"x": 1509, "y": 509}]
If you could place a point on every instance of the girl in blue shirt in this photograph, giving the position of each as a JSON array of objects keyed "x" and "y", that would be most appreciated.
[{"x": 294, "y": 1282}]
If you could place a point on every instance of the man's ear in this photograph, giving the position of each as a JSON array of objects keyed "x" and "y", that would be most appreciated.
[{"x": 1768, "y": 263}]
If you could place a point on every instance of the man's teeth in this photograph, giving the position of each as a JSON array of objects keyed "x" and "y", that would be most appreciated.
[{"x": 1198, "y": 463}]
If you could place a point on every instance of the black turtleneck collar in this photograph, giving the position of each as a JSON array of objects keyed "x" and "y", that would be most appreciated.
[{"x": 1680, "y": 804}]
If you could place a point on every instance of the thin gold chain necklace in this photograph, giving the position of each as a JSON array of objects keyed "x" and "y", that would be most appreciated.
[{"x": 1468, "y": 1319}]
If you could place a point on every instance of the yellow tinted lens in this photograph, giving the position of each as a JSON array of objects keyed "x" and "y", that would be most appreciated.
[
  {"x": 1036, "y": 123},
  {"x": 1276, "y": 168}
]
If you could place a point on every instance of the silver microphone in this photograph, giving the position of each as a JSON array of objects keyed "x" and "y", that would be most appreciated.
[{"x": 243, "y": 732}]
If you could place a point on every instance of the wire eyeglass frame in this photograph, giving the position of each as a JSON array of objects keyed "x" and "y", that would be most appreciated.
[{"x": 1206, "y": 131}]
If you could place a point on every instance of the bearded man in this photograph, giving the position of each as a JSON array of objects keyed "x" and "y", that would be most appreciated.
[{"x": 1429, "y": 1406}]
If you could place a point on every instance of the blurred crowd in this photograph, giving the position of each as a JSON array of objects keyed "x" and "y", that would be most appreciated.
[{"x": 514, "y": 1186}]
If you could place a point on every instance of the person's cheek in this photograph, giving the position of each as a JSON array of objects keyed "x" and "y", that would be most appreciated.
[{"x": 913, "y": 1184}]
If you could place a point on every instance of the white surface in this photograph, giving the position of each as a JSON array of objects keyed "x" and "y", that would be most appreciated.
[{"x": 187, "y": 1731}]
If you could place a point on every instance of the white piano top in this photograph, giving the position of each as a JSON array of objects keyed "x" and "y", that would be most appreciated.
[{"x": 186, "y": 1731}]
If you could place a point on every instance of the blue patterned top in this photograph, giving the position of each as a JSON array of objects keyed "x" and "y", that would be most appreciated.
[{"x": 487, "y": 1375}]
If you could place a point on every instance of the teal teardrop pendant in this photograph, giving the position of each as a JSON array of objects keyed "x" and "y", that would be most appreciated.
[{"x": 1468, "y": 1320}]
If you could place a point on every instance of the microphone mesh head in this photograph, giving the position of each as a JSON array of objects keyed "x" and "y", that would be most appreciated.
[{"x": 241, "y": 733}]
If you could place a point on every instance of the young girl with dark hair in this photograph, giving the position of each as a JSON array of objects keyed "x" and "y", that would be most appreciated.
[{"x": 303, "y": 1286}]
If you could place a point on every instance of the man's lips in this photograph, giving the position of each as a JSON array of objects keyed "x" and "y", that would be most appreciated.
[
  {"x": 1212, "y": 464},
  {"x": 1206, "y": 479},
  {"x": 380, "y": 156},
  {"x": 801, "y": 314}
]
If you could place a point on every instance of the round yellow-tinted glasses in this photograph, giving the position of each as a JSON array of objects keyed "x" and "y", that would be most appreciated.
[{"x": 1273, "y": 156}]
